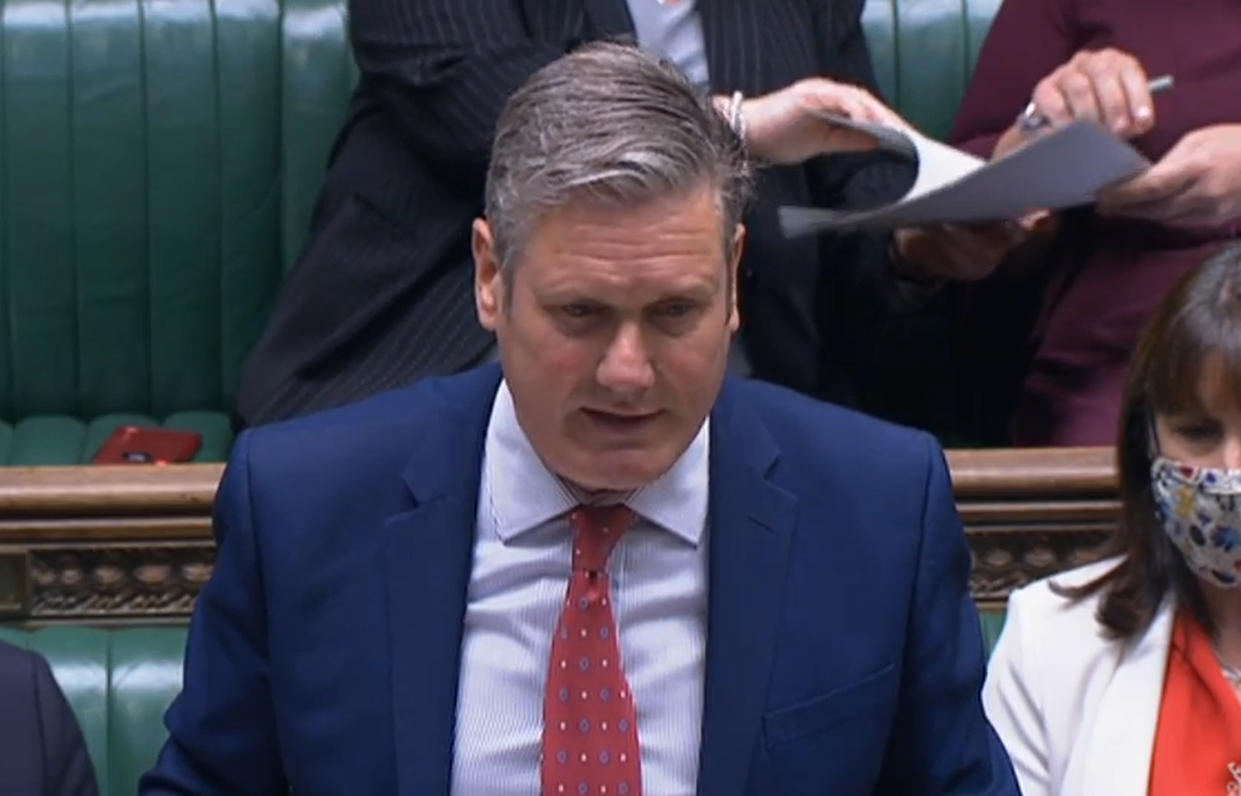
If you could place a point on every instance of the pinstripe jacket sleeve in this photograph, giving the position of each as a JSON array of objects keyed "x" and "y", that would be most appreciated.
[
  {"x": 444, "y": 68},
  {"x": 850, "y": 180}
]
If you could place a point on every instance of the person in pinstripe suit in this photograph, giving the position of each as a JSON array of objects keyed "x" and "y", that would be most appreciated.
[{"x": 381, "y": 295}]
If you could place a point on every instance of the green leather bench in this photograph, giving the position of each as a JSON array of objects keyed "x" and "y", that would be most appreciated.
[
  {"x": 158, "y": 163},
  {"x": 120, "y": 682}
]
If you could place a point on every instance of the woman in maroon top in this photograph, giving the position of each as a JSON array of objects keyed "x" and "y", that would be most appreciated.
[{"x": 1110, "y": 266}]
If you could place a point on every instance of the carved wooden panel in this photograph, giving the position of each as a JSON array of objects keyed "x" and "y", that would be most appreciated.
[
  {"x": 1008, "y": 559},
  {"x": 14, "y": 583},
  {"x": 118, "y": 581},
  {"x": 126, "y": 544},
  {"x": 1029, "y": 514}
]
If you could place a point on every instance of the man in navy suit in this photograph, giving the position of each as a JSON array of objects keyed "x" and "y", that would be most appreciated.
[{"x": 601, "y": 567}]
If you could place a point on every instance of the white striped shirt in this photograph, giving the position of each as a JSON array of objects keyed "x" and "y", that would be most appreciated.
[
  {"x": 517, "y": 585},
  {"x": 674, "y": 31}
]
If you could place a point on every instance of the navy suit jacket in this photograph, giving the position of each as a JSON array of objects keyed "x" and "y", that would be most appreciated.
[
  {"x": 42, "y": 752},
  {"x": 844, "y": 654}
]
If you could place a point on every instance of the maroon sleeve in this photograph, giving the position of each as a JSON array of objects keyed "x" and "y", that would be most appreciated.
[{"x": 1027, "y": 40}]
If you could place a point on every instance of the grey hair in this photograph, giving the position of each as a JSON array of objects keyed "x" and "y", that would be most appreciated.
[{"x": 610, "y": 124}]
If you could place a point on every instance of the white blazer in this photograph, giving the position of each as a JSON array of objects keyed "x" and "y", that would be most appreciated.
[{"x": 1075, "y": 709}]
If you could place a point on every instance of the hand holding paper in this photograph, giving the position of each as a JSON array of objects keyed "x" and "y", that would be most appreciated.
[
  {"x": 794, "y": 124},
  {"x": 964, "y": 252},
  {"x": 1106, "y": 86},
  {"x": 1196, "y": 184},
  {"x": 1062, "y": 168}
]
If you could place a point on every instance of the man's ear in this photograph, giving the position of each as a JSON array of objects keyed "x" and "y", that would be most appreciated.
[
  {"x": 734, "y": 313},
  {"x": 488, "y": 285}
]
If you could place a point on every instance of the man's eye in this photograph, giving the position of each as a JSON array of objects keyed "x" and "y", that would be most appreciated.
[
  {"x": 676, "y": 309},
  {"x": 578, "y": 310}
]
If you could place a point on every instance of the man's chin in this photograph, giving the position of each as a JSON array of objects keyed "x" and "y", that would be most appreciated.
[{"x": 619, "y": 475}]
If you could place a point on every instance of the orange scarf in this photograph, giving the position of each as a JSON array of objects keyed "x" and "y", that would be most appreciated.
[{"x": 1198, "y": 737}]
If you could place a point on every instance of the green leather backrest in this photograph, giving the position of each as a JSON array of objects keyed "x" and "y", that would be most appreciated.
[
  {"x": 924, "y": 53},
  {"x": 119, "y": 683},
  {"x": 158, "y": 160}
]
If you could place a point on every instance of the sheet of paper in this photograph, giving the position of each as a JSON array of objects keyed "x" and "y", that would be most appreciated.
[{"x": 1063, "y": 168}]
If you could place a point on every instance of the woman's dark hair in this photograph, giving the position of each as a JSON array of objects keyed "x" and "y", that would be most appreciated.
[{"x": 1197, "y": 326}]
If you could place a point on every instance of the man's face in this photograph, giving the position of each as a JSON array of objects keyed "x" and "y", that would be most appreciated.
[{"x": 615, "y": 336}]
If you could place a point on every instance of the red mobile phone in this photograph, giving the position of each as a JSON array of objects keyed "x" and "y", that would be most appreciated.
[{"x": 137, "y": 445}]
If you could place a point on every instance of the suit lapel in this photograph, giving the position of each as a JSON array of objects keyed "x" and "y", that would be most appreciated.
[
  {"x": 609, "y": 18},
  {"x": 427, "y": 568},
  {"x": 1117, "y": 757},
  {"x": 751, "y": 527}
]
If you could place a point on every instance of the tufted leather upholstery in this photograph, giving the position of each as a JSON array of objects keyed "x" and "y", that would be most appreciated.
[
  {"x": 158, "y": 163},
  {"x": 159, "y": 160},
  {"x": 924, "y": 53},
  {"x": 120, "y": 682}
]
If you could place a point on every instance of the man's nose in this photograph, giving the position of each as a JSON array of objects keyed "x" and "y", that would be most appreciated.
[{"x": 626, "y": 365}]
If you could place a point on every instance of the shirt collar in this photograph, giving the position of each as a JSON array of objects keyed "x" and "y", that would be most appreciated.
[{"x": 525, "y": 494}]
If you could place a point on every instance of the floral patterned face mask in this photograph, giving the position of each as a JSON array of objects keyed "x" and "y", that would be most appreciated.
[{"x": 1200, "y": 510}]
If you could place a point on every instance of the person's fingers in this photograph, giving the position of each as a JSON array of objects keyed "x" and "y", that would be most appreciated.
[
  {"x": 1079, "y": 94},
  {"x": 852, "y": 101},
  {"x": 964, "y": 253},
  {"x": 1051, "y": 103},
  {"x": 852, "y": 105},
  {"x": 990, "y": 240},
  {"x": 1188, "y": 210},
  {"x": 879, "y": 112},
  {"x": 1138, "y": 96},
  {"x": 932, "y": 251},
  {"x": 1158, "y": 183},
  {"x": 971, "y": 261},
  {"x": 1034, "y": 219},
  {"x": 1112, "y": 101},
  {"x": 1106, "y": 86},
  {"x": 1173, "y": 210},
  {"x": 1119, "y": 83},
  {"x": 843, "y": 139},
  {"x": 824, "y": 96}
]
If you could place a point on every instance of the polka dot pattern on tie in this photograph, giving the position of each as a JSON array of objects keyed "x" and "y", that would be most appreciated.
[{"x": 590, "y": 733}]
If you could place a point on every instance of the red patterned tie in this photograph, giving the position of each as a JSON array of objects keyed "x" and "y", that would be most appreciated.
[{"x": 590, "y": 728}]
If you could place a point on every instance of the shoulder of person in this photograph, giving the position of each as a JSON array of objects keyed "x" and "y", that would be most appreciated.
[
  {"x": 375, "y": 430},
  {"x": 426, "y": 396},
  {"x": 1062, "y": 625},
  {"x": 39, "y": 729},
  {"x": 23, "y": 675},
  {"x": 17, "y": 665},
  {"x": 1039, "y": 600}
]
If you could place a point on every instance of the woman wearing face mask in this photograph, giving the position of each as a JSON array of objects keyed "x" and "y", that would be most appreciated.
[{"x": 1122, "y": 677}]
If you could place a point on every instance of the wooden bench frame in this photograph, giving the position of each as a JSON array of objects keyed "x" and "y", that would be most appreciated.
[{"x": 133, "y": 544}]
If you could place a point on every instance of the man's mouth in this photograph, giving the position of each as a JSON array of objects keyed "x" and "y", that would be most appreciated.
[{"x": 620, "y": 421}]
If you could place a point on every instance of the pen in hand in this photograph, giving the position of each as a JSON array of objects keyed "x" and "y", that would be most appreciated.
[{"x": 1031, "y": 120}]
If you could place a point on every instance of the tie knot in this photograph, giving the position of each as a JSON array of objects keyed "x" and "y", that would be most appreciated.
[{"x": 596, "y": 530}]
